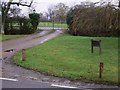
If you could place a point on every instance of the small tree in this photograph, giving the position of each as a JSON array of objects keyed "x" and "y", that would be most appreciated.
[{"x": 34, "y": 19}]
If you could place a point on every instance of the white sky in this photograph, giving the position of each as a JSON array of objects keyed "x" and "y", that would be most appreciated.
[{"x": 42, "y": 5}]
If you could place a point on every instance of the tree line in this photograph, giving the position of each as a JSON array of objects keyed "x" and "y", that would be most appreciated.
[{"x": 57, "y": 13}]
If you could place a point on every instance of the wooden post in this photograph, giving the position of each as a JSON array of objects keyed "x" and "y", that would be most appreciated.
[
  {"x": 101, "y": 70},
  {"x": 23, "y": 55}
]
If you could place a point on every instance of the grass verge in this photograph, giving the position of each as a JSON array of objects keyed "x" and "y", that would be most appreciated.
[
  {"x": 70, "y": 57},
  {"x": 9, "y": 37}
]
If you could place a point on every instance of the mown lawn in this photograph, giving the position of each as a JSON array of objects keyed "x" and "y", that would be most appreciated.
[
  {"x": 50, "y": 24},
  {"x": 70, "y": 57},
  {"x": 9, "y": 37}
]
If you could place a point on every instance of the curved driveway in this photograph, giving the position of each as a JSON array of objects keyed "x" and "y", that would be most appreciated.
[{"x": 26, "y": 78}]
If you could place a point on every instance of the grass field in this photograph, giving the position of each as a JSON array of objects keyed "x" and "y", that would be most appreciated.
[
  {"x": 50, "y": 24},
  {"x": 9, "y": 37},
  {"x": 70, "y": 57}
]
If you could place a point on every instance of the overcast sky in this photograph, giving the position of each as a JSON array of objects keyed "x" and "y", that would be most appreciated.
[{"x": 42, "y": 5}]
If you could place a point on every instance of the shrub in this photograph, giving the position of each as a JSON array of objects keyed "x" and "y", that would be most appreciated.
[
  {"x": 34, "y": 20},
  {"x": 27, "y": 28},
  {"x": 18, "y": 26},
  {"x": 94, "y": 21}
]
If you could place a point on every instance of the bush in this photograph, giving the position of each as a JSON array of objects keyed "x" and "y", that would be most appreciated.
[
  {"x": 94, "y": 21},
  {"x": 18, "y": 26},
  {"x": 34, "y": 20},
  {"x": 27, "y": 28}
]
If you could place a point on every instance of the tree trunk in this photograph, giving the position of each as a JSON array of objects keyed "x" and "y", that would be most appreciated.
[
  {"x": 4, "y": 17},
  {"x": 2, "y": 28}
]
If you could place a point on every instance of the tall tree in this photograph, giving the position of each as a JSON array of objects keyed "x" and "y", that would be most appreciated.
[
  {"x": 6, "y": 8},
  {"x": 61, "y": 11}
]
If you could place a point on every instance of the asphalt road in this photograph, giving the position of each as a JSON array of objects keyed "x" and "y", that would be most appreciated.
[
  {"x": 33, "y": 85},
  {"x": 50, "y": 28},
  {"x": 24, "y": 84}
]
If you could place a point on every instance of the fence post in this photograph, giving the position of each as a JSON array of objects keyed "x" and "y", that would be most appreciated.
[
  {"x": 23, "y": 55},
  {"x": 101, "y": 70}
]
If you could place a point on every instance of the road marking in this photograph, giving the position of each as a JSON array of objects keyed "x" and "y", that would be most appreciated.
[
  {"x": 15, "y": 80},
  {"x": 55, "y": 85}
]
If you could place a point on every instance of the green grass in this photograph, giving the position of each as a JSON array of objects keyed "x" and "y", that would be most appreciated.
[
  {"x": 50, "y": 24},
  {"x": 70, "y": 57},
  {"x": 9, "y": 37}
]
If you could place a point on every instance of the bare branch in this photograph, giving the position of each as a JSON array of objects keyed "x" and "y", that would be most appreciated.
[{"x": 22, "y": 4}]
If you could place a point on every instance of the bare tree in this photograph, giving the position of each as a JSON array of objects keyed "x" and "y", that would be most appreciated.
[
  {"x": 6, "y": 6},
  {"x": 61, "y": 11},
  {"x": 47, "y": 15},
  {"x": 50, "y": 11},
  {"x": 14, "y": 11}
]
